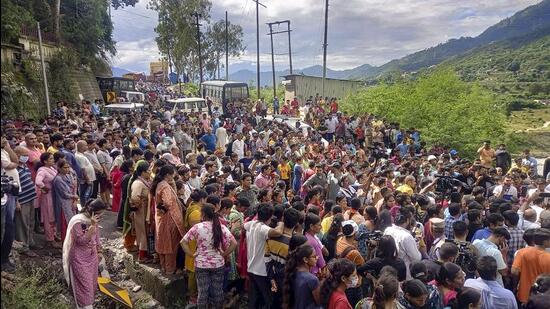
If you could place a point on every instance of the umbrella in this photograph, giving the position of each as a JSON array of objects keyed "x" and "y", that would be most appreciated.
[{"x": 114, "y": 291}]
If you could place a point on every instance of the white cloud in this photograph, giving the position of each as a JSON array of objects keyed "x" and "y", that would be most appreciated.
[{"x": 360, "y": 31}]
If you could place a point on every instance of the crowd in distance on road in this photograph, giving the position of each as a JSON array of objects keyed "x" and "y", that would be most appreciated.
[{"x": 354, "y": 212}]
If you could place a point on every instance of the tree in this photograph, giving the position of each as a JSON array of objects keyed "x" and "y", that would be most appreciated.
[
  {"x": 446, "y": 110},
  {"x": 176, "y": 33},
  {"x": 215, "y": 40},
  {"x": 514, "y": 67}
]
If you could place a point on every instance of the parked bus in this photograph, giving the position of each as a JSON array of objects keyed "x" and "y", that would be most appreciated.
[
  {"x": 222, "y": 92},
  {"x": 112, "y": 87}
]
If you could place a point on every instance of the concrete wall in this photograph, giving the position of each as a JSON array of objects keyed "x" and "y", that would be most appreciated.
[{"x": 303, "y": 87}]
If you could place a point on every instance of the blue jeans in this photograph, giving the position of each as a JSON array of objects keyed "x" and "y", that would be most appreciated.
[
  {"x": 8, "y": 214},
  {"x": 85, "y": 191}
]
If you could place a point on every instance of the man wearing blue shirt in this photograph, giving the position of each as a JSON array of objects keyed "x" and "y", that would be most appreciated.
[
  {"x": 495, "y": 221},
  {"x": 209, "y": 140},
  {"x": 493, "y": 295}
]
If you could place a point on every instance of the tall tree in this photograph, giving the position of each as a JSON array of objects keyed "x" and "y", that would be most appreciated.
[{"x": 215, "y": 39}]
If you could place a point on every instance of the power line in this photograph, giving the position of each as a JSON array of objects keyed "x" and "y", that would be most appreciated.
[{"x": 137, "y": 14}]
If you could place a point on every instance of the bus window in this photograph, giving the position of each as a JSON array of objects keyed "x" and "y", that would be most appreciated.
[{"x": 191, "y": 105}]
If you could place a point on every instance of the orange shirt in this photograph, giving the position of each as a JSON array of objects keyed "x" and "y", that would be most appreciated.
[
  {"x": 486, "y": 156},
  {"x": 353, "y": 255},
  {"x": 530, "y": 262}
]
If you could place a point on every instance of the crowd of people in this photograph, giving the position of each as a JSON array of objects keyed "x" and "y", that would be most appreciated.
[{"x": 355, "y": 212}]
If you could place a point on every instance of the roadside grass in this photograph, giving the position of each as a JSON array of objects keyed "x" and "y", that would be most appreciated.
[{"x": 35, "y": 287}]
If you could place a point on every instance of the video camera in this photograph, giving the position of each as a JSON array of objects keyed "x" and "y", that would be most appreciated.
[
  {"x": 371, "y": 236},
  {"x": 8, "y": 185},
  {"x": 465, "y": 258}
]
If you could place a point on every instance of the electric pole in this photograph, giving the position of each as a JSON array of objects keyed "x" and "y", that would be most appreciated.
[
  {"x": 226, "y": 47},
  {"x": 44, "y": 76},
  {"x": 272, "y": 60},
  {"x": 289, "y": 47},
  {"x": 258, "y": 46},
  {"x": 325, "y": 50},
  {"x": 271, "y": 33},
  {"x": 197, "y": 16}
]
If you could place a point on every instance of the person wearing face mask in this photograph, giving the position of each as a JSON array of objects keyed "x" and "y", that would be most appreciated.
[
  {"x": 346, "y": 247},
  {"x": 24, "y": 214},
  {"x": 342, "y": 276}
]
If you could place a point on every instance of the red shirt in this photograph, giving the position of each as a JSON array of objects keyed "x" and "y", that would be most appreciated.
[
  {"x": 338, "y": 300},
  {"x": 334, "y": 107}
]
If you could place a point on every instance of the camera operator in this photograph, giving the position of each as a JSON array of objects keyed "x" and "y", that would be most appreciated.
[
  {"x": 10, "y": 178},
  {"x": 467, "y": 253}
]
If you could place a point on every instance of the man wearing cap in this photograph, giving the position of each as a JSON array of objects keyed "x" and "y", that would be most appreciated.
[
  {"x": 497, "y": 247},
  {"x": 438, "y": 232},
  {"x": 404, "y": 241}
]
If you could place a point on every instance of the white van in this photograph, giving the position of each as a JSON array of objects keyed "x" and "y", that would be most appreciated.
[
  {"x": 187, "y": 105},
  {"x": 124, "y": 107},
  {"x": 132, "y": 96}
]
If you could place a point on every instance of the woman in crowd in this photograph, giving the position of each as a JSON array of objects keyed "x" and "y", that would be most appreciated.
[
  {"x": 469, "y": 298},
  {"x": 385, "y": 292},
  {"x": 301, "y": 288},
  {"x": 65, "y": 197},
  {"x": 414, "y": 295},
  {"x": 386, "y": 254},
  {"x": 124, "y": 219},
  {"x": 169, "y": 219},
  {"x": 214, "y": 244},
  {"x": 448, "y": 281},
  {"x": 312, "y": 226},
  {"x": 45, "y": 174},
  {"x": 138, "y": 194},
  {"x": 333, "y": 289},
  {"x": 81, "y": 253},
  {"x": 117, "y": 174},
  {"x": 331, "y": 237}
]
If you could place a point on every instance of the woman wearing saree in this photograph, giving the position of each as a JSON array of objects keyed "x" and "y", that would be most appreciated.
[
  {"x": 127, "y": 165},
  {"x": 65, "y": 197},
  {"x": 138, "y": 194},
  {"x": 168, "y": 218},
  {"x": 81, "y": 253},
  {"x": 44, "y": 179}
]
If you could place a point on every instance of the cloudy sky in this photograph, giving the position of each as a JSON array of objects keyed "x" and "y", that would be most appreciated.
[{"x": 360, "y": 31}]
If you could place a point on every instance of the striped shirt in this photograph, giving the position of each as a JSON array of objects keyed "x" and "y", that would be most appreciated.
[{"x": 28, "y": 192}]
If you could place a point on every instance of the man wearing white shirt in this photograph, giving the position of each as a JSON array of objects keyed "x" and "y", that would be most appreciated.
[
  {"x": 238, "y": 146},
  {"x": 88, "y": 172},
  {"x": 257, "y": 233},
  {"x": 404, "y": 241},
  {"x": 221, "y": 137},
  {"x": 506, "y": 190}
]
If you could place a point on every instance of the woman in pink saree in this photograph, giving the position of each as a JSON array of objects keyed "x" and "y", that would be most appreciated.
[
  {"x": 81, "y": 253},
  {"x": 168, "y": 218},
  {"x": 45, "y": 175}
]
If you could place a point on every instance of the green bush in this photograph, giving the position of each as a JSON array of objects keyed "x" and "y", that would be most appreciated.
[
  {"x": 446, "y": 110},
  {"x": 35, "y": 288}
]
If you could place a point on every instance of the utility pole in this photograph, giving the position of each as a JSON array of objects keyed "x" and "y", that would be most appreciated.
[
  {"x": 325, "y": 50},
  {"x": 271, "y": 33},
  {"x": 289, "y": 46},
  {"x": 226, "y": 47},
  {"x": 45, "y": 78},
  {"x": 258, "y": 46},
  {"x": 272, "y": 60},
  {"x": 197, "y": 16}
]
